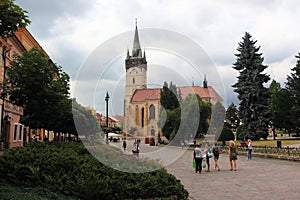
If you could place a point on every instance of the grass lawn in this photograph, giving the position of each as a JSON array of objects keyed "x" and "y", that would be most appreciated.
[
  {"x": 273, "y": 143},
  {"x": 286, "y": 141}
]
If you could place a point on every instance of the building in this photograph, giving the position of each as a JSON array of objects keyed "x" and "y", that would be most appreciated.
[
  {"x": 113, "y": 121},
  {"x": 14, "y": 134},
  {"x": 142, "y": 104}
]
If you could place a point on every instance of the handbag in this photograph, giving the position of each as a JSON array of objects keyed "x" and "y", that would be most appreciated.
[
  {"x": 210, "y": 154},
  {"x": 193, "y": 164}
]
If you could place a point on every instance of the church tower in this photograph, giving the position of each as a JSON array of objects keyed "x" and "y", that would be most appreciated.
[
  {"x": 136, "y": 76},
  {"x": 136, "y": 68}
]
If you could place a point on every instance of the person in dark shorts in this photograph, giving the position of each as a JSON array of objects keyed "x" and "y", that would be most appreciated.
[
  {"x": 232, "y": 152},
  {"x": 216, "y": 153}
]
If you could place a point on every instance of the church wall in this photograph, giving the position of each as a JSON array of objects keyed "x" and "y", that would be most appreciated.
[{"x": 138, "y": 120}]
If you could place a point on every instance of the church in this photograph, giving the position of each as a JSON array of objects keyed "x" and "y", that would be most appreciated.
[{"x": 142, "y": 104}]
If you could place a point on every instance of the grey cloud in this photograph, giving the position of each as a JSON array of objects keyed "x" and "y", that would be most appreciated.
[{"x": 43, "y": 13}]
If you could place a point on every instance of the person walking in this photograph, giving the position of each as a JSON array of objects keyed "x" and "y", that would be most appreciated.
[
  {"x": 198, "y": 157},
  {"x": 124, "y": 144},
  {"x": 249, "y": 149},
  {"x": 208, "y": 155},
  {"x": 232, "y": 152},
  {"x": 216, "y": 153}
]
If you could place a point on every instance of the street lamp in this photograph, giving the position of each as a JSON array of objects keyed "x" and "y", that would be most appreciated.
[{"x": 107, "y": 99}]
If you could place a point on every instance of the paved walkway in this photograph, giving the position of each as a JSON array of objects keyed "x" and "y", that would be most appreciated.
[
  {"x": 258, "y": 178},
  {"x": 255, "y": 179}
]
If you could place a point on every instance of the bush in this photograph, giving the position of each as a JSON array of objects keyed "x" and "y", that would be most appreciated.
[
  {"x": 226, "y": 134},
  {"x": 68, "y": 168}
]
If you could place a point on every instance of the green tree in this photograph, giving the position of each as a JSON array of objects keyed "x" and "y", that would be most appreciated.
[
  {"x": 280, "y": 107},
  {"x": 170, "y": 112},
  {"x": 205, "y": 115},
  {"x": 196, "y": 115},
  {"x": 254, "y": 97},
  {"x": 217, "y": 119},
  {"x": 226, "y": 134},
  {"x": 169, "y": 97},
  {"x": 41, "y": 88},
  {"x": 232, "y": 118},
  {"x": 293, "y": 87},
  {"x": 85, "y": 122},
  {"x": 190, "y": 117},
  {"x": 12, "y": 18}
]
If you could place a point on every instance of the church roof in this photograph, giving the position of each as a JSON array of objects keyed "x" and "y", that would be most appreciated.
[
  {"x": 141, "y": 95},
  {"x": 145, "y": 94},
  {"x": 136, "y": 50},
  {"x": 204, "y": 93}
]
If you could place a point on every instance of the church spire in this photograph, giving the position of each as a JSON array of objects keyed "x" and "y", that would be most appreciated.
[
  {"x": 205, "y": 82},
  {"x": 136, "y": 51}
]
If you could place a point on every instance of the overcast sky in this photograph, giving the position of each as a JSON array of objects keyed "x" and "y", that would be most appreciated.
[{"x": 84, "y": 35}]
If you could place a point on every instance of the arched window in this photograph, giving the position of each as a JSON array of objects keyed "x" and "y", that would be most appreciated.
[
  {"x": 133, "y": 80},
  {"x": 152, "y": 132},
  {"x": 143, "y": 111},
  {"x": 152, "y": 112}
]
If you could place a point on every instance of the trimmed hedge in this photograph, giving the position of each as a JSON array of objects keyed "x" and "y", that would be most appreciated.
[{"x": 68, "y": 168}]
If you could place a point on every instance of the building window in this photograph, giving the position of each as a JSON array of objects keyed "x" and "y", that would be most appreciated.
[
  {"x": 21, "y": 132},
  {"x": 152, "y": 112},
  {"x": 15, "y": 131},
  {"x": 133, "y": 80},
  {"x": 152, "y": 132},
  {"x": 142, "y": 116}
]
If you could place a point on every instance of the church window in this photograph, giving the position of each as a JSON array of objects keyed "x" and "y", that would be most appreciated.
[
  {"x": 133, "y": 80},
  {"x": 152, "y": 112},
  {"x": 142, "y": 116},
  {"x": 136, "y": 115},
  {"x": 152, "y": 132}
]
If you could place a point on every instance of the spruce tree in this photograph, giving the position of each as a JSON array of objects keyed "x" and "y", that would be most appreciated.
[
  {"x": 293, "y": 87},
  {"x": 232, "y": 118},
  {"x": 254, "y": 97}
]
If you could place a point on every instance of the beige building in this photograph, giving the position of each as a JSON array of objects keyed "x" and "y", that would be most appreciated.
[{"x": 142, "y": 105}]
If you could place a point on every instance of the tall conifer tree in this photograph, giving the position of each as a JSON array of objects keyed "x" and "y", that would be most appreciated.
[
  {"x": 293, "y": 87},
  {"x": 254, "y": 97}
]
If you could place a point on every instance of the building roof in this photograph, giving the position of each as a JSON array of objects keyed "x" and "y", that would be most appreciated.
[
  {"x": 145, "y": 94},
  {"x": 141, "y": 95},
  {"x": 28, "y": 41},
  {"x": 204, "y": 93},
  {"x": 119, "y": 118}
]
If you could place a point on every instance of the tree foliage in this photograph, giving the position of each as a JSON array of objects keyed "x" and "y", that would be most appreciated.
[
  {"x": 85, "y": 122},
  {"x": 293, "y": 87},
  {"x": 12, "y": 18},
  {"x": 169, "y": 97},
  {"x": 280, "y": 107},
  {"x": 42, "y": 88},
  {"x": 217, "y": 118},
  {"x": 170, "y": 112},
  {"x": 232, "y": 117},
  {"x": 253, "y": 96}
]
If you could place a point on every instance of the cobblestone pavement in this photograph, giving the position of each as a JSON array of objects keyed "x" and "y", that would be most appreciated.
[
  {"x": 254, "y": 179},
  {"x": 258, "y": 178}
]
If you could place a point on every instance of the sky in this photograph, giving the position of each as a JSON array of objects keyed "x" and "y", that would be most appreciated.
[{"x": 183, "y": 40}]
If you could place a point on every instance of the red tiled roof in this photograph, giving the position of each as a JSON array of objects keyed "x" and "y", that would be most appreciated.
[
  {"x": 204, "y": 93},
  {"x": 146, "y": 94},
  {"x": 154, "y": 94},
  {"x": 119, "y": 118}
]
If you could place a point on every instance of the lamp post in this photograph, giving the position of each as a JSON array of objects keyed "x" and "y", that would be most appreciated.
[{"x": 107, "y": 99}]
